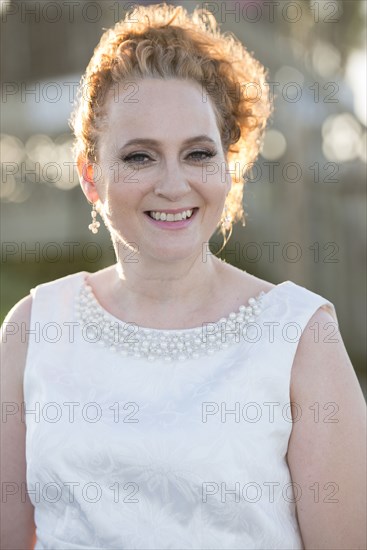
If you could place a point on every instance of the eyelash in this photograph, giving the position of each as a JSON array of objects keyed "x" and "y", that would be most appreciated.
[{"x": 129, "y": 158}]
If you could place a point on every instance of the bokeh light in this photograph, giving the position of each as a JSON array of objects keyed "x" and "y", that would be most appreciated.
[
  {"x": 326, "y": 59},
  {"x": 274, "y": 145},
  {"x": 342, "y": 138},
  {"x": 40, "y": 160}
]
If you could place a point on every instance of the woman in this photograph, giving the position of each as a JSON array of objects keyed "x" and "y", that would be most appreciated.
[{"x": 177, "y": 401}]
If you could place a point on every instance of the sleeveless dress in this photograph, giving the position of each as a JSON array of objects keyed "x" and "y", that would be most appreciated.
[{"x": 158, "y": 449}]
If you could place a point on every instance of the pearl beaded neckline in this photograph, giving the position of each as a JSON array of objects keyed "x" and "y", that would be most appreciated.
[{"x": 131, "y": 340}]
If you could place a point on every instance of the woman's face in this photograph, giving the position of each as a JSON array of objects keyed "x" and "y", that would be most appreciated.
[{"x": 161, "y": 159}]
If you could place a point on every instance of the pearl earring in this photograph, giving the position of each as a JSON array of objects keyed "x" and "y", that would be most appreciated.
[
  {"x": 226, "y": 220},
  {"x": 94, "y": 225},
  {"x": 226, "y": 224}
]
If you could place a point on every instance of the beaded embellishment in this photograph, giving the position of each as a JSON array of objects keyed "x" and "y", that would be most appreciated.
[{"x": 131, "y": 340}]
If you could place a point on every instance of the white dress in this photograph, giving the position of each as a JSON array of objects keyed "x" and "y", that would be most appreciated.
[{"x": 181, "y": 448}]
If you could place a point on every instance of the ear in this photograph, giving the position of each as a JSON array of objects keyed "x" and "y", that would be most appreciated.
[{"x": 86, "y": 173}]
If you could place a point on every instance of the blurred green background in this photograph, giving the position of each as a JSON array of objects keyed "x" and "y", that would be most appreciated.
[{"x": 305, "y": 198}]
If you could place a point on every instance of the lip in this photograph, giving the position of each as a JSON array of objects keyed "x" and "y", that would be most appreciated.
[
  {"x": 172, "y": 210},
  {"x": 172, "y": 225}
]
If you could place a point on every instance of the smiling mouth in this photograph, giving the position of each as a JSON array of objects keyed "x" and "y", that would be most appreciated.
[{"x": 169, "y": 216}]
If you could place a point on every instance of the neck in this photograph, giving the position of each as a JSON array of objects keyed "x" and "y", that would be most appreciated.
[{"x": 148, "y": 282}]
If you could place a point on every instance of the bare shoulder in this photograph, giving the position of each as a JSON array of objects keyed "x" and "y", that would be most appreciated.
[
  {"x": 243, "y": 283},
  {"x": 21, "y": 310},
  {"x": 17, "y": 527},
  {"x": 326, "y": 452},
  {"x": 13, "y": 340},
  {"x": 321, "y": 353},
  {"x": 104, "y": 276},
  {"x": 322, "y": 369},
  {"x": 260, "y": 285}
]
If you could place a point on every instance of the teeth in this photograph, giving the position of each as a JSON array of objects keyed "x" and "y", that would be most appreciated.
[{"x": 163, "y": 216}]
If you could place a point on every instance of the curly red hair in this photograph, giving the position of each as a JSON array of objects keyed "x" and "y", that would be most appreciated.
[{"x": 165, "y": 41}]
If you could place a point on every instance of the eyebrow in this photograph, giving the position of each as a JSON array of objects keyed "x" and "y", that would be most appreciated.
[{"x": 147, "y": 141}]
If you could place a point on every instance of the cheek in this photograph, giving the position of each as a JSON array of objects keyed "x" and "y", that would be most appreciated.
[
  {"x": 122, "y": 201},
  {"x": 215, "y": 191}
]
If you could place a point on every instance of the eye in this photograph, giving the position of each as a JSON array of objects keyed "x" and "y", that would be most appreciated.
[
  {"x": 202, "y": 155},
  {"x": 197, "y": 156},
  {"x": 134, "y": 158}
]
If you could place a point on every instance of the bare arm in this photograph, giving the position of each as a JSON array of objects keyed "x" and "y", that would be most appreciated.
[
  {"x": 17, "y": 517},
  {"x": 327, "y": 449}
]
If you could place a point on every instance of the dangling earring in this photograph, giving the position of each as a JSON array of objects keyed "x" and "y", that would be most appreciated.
[
  {"x": 94, "y": 225},
  {"x": 226, "y": 224},
  {"x": 226, "y": 220}
]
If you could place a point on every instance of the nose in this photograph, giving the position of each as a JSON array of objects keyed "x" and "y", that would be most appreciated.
[{"x": 172, "y": 185}]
